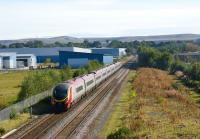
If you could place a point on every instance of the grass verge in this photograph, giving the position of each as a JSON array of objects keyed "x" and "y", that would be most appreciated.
[
  {"x": 10, "y": 85},
  {"x": 7, "y": 125},
  {"x": 162, "y": 108},
  {"x": 120, "y": 111}
]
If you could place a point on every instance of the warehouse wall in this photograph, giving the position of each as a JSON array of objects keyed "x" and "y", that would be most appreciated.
[
  {"x": 108, "y": 59},
  {"x": 1, "y": 63},
  {"x": 76, "y": 63},
  {"x": 41, "y": 59},
  {"x": 65, "y": 56},
  {"x": 110, "y": 51}
]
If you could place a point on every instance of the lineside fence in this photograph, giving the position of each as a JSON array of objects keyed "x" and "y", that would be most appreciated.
[{"x": 20, "y": 106}]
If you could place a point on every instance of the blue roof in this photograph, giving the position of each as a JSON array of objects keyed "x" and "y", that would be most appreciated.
[{"x": 37, "y": 51}]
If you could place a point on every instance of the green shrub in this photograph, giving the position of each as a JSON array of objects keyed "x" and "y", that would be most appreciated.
[
  {"x": 26, "y": 110},
  {"x": 122, "y": 133},
  {"x": 79, "y": 72},
  {"x": 39, "y": 81},
  {"x": 2, "y": 131},
  {"x": 66, "y": 73},
  {"x": 13, "y": 114},
  {"x": 151, "y": 57}
]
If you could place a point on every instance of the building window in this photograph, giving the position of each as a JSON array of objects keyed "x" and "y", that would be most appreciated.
[
  {"x": 89, "y": 82},
  {"x": 78, "y": 89}
]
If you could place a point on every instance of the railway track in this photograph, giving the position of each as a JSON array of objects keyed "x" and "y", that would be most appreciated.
[
  {"x": 42, "y": 127},
  {"x": 71, "y": 127}
]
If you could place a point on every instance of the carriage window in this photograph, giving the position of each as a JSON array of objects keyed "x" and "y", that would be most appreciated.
[
  {"x": 78, "y": 89},
  {"x": 89, "y": 82},
  {"x": 104, "y": 74},
  {"x": 97, "y": 78}
]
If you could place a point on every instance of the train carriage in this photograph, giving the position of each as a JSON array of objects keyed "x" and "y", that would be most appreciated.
[
  {"x": 69, "y": 92},
  {"x": 98, "y": 77},
  {"x": 89, "y": 80}
]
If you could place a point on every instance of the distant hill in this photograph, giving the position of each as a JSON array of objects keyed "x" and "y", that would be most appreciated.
[
  {"x": 158, "y": 38},
  {"x": 66, "y": 39},
  {"x": 61, "y": 39}
]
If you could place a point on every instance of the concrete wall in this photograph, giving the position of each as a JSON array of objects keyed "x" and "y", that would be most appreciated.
[{"x": 19, "y": 107}]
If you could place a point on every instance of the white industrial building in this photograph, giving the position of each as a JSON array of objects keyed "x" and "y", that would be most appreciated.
[
  {"x": 13, "y": 60},
  {"x": 8, "y": 60},
  {"x": 26, "y": 61}
]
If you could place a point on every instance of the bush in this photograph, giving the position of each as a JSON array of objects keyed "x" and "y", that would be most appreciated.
[
  {"x": 2, "y": 131},
  {"x": 150, "y": 57},
  {"x": 122, "y": 133},
  {"x": 13, "y": 114},
  {"x": 92, "y": 65},
  {"x": 66, "y": 73},
  {"x": 39, "y": 81},
  {"x": 79, "y": 72},
  {"x": 26, "y": 110}
]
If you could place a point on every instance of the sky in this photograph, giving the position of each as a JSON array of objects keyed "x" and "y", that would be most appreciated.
[{"x": 97, "y": 18}]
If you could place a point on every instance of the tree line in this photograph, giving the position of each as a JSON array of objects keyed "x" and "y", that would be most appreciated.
[
  {"x": 169, "y": 46},
  {"x": 152, "y": 57}
]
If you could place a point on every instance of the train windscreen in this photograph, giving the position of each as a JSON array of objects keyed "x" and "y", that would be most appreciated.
[{"x": 60, "y": 92}]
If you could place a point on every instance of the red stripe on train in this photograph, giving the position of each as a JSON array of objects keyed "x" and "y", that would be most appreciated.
[{"x": 69, "y": 99}]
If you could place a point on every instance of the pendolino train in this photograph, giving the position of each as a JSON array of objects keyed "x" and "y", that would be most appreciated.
[{"x": 69, "y": 92}]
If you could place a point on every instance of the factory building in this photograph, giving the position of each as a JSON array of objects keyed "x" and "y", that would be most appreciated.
[
  {"x": 1, "y": 63},
  {"x": 78, "y": 59},
  {"x": 115, "y": 52},
  {"x": 26, "y": 61},
  {"x": 13, "y": 60},
  {"x": 8, "y": 60},
  {"x": 45, "y": 53}
]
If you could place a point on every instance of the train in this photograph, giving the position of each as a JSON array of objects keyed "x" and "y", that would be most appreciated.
[{"x": 69, "y": 92}]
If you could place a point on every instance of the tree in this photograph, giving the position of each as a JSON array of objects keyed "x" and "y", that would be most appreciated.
[
  {"x": 96, "y": 44},
  {"x": 151, "y": 57},
  {"x": 48, "y": 60},
  {"x": 66, "y": 73}
]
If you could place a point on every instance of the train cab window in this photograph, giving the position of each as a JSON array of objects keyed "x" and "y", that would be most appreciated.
[
  {"x": 97, "y": 78},
  {"x": 90, "y": 82},
  {"x": 78, "y": 89},
  {"x": 60, "y": 92}
]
